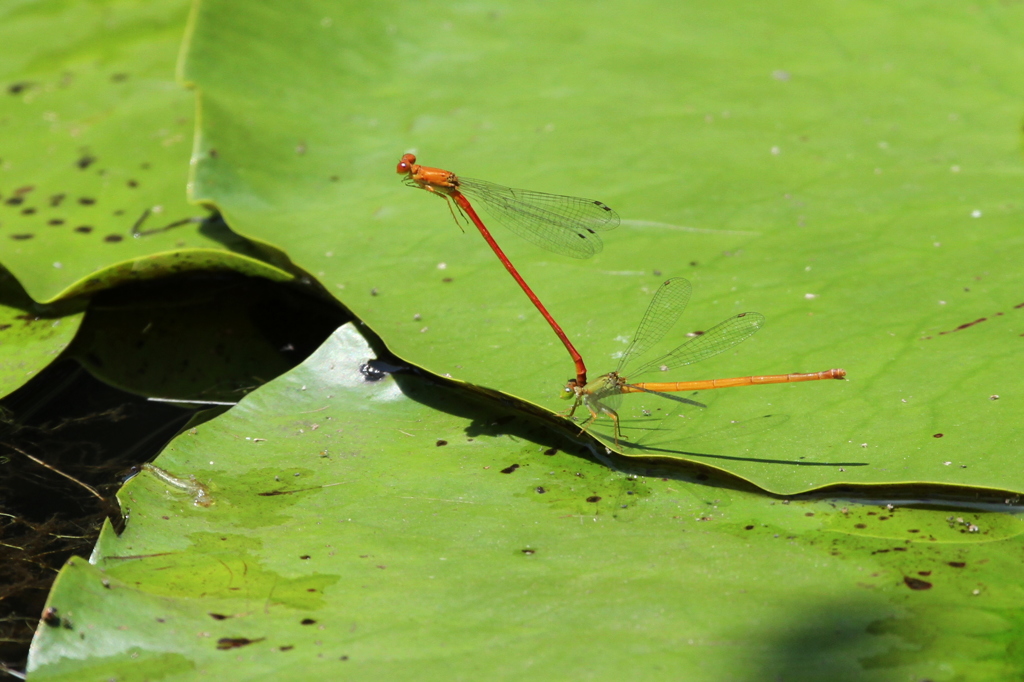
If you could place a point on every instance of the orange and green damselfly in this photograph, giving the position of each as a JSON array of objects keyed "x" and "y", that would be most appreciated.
[{"x": 603, "y": 395}]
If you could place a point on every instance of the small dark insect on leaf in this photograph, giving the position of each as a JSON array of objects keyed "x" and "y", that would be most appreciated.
[
  {"x": 594, "y": 498},
  {"x": 51, "y": 617},
  {"x": 510, "y": 469},
  {"x": 372, "y": 372}
]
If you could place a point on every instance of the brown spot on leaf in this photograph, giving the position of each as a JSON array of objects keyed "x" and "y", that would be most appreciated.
[{"x": 225, "y": 643}]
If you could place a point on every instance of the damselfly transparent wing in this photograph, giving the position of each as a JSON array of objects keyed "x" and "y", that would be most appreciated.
[
  {"x": 565, "y": 225},
  {"x": 668, "y": 304},
  {"x": 718, "y": 339}
]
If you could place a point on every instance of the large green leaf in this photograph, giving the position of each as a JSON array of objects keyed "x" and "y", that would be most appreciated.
[
  {"x": 333, "y": 527},
  {"x": 95, "y": 150},
  {"x": 851, "y": 171}
]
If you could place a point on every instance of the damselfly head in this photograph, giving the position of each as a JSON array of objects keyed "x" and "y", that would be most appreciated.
[
  {"x": 406, "y": 164},
  {"x": 570, "y": 389}
]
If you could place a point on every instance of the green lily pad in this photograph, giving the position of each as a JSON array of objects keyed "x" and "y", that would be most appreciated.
[
  {"x": 96, "y": 147},
  {"x": 334, "y": 527},
  {"x": 30, "y": 339},
  {"x": 850, "y": 172}
]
